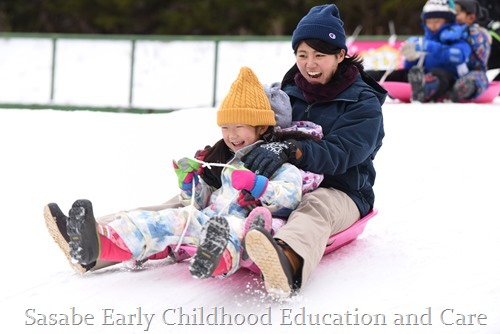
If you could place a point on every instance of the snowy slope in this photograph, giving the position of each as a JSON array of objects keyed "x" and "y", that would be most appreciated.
[{"x": 432, "y": 248}]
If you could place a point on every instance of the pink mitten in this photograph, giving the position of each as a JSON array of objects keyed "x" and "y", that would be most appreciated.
[{"x": 247, "y": 180}]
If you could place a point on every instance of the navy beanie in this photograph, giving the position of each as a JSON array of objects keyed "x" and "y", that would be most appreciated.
[
  {"x": 323, "y": 23},
  {"x": 444, "y": 9}
]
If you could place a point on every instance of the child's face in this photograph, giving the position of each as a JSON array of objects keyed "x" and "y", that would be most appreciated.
[
  {"x": 317, "y": 67},
  {"x": 237, "y": 136},
  {"x": 433, "y": 24},
  {"x": 463, "y": 17}
]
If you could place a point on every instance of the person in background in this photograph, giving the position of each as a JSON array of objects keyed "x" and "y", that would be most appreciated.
[
  {"x": 475, "y": 82},
  {"x": 469, "y": 18},
  {"x": 491, "y": 21},
  {"x": 328, "y": 87},
  {"x": 434, "y": 63}
]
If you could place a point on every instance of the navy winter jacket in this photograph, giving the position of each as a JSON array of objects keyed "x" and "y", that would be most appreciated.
[{"x": 353, "y": 130}]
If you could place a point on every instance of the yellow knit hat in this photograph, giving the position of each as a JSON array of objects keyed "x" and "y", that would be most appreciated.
[{"x": 246, "y": 102}]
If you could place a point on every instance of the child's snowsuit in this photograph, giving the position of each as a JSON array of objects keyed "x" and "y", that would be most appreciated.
[{"x": 146, "y": 233}]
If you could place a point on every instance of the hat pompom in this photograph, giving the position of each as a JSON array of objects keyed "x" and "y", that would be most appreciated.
[{"x": 280, "y": 104}]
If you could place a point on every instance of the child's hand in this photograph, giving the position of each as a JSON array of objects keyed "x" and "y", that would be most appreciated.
[
  {"x": 429, "y": 47},
  {"x": 247, "y": 180},
  {"x": 408, "y": 48},
  {"x": 187, "y": 170},
  {"x": 453, "y": 33},
  {"x": 245, "y": 198},
  {"x": 416, "y": 46}
]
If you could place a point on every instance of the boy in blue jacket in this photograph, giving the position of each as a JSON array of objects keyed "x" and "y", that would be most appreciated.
[{"x": 435, "y": 63}]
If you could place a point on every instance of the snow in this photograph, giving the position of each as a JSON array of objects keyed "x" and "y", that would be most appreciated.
[{"x": 432, "y": 252}]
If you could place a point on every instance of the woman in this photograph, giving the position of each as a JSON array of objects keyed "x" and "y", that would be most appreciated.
[{"x": 329, "y": 88}]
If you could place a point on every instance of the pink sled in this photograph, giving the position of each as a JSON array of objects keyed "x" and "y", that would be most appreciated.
[
  {"x": 402, "y": 92},
  {"x": 335, "y": 241},
  {"x": 347, "y": 236}
]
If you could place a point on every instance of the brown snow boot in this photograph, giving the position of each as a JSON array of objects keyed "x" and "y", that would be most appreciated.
[{"x": 277, "y": 262}]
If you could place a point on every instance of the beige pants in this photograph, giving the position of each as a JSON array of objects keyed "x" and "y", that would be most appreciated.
[{"x": 320, "y": 214}]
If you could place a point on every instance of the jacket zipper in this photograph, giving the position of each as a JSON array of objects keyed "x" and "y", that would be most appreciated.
[{"x": 307, "y": 110}]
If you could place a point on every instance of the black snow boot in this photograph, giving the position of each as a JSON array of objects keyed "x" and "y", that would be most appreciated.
[
  {"x": 463, "y": 89},
  {"x": 213, "y": 240},
  {"x": 82, "y": 231},
  {"x": 416, "y": 78},
  {"x": 56, "y": 221}
]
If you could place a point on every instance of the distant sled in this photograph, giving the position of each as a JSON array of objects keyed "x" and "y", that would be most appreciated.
[
  {"x": 335, "y": 241},
  {"x": 402, "y": 92}
]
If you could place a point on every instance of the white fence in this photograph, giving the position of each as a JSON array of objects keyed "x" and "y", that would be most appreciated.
[{"x": 127, "y": 73}]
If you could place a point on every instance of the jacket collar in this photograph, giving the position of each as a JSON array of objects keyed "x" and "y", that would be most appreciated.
[
  {"x": 351, "y": 94},
  {"x": 245, "y": 150}
]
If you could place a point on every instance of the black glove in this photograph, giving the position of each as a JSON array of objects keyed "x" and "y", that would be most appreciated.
[
  {"x": 211, "y": 177},
  {"x": 268, "y": 158}
]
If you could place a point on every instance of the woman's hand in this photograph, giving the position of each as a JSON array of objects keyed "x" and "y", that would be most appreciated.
[{"x": 266, "y": 159}]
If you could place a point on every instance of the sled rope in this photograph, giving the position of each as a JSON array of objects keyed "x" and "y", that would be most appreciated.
[{"x": 208, "y": 165}]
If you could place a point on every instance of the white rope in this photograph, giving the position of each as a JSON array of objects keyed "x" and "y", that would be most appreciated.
[
  {"x": 209, "y": 166},
  {"x": 188, "y": 220}
]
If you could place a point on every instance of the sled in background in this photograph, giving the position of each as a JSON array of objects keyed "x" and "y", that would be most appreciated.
[
  {"x": 335, "y": 241},
  {"x": 402, "y": 92}
]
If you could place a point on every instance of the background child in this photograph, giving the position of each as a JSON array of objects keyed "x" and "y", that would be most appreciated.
[
  {"x": 491, "y": 21},
  {"x": 435, "y": 63},
  {"x": 475, "y": 82}
]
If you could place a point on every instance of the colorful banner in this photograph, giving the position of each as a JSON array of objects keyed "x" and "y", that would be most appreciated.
[{"x": 378, "y": 55}]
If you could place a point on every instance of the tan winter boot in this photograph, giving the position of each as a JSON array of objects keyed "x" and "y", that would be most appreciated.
[{"x": 277, "y": 262}]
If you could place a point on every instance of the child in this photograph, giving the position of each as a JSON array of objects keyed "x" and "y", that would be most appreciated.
[
  {"x": 443, "y": 62},
  {"x": 285, "y": 129},
  {"x": 216, "y": 219},
  {"x": 475, "y": 82},
  {"x": 490, "y": 19}
]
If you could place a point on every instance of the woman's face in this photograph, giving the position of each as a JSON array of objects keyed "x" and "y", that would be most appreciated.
[
  {"x": 237, "y": 136},
  {"x": 317, "y": 67}
]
